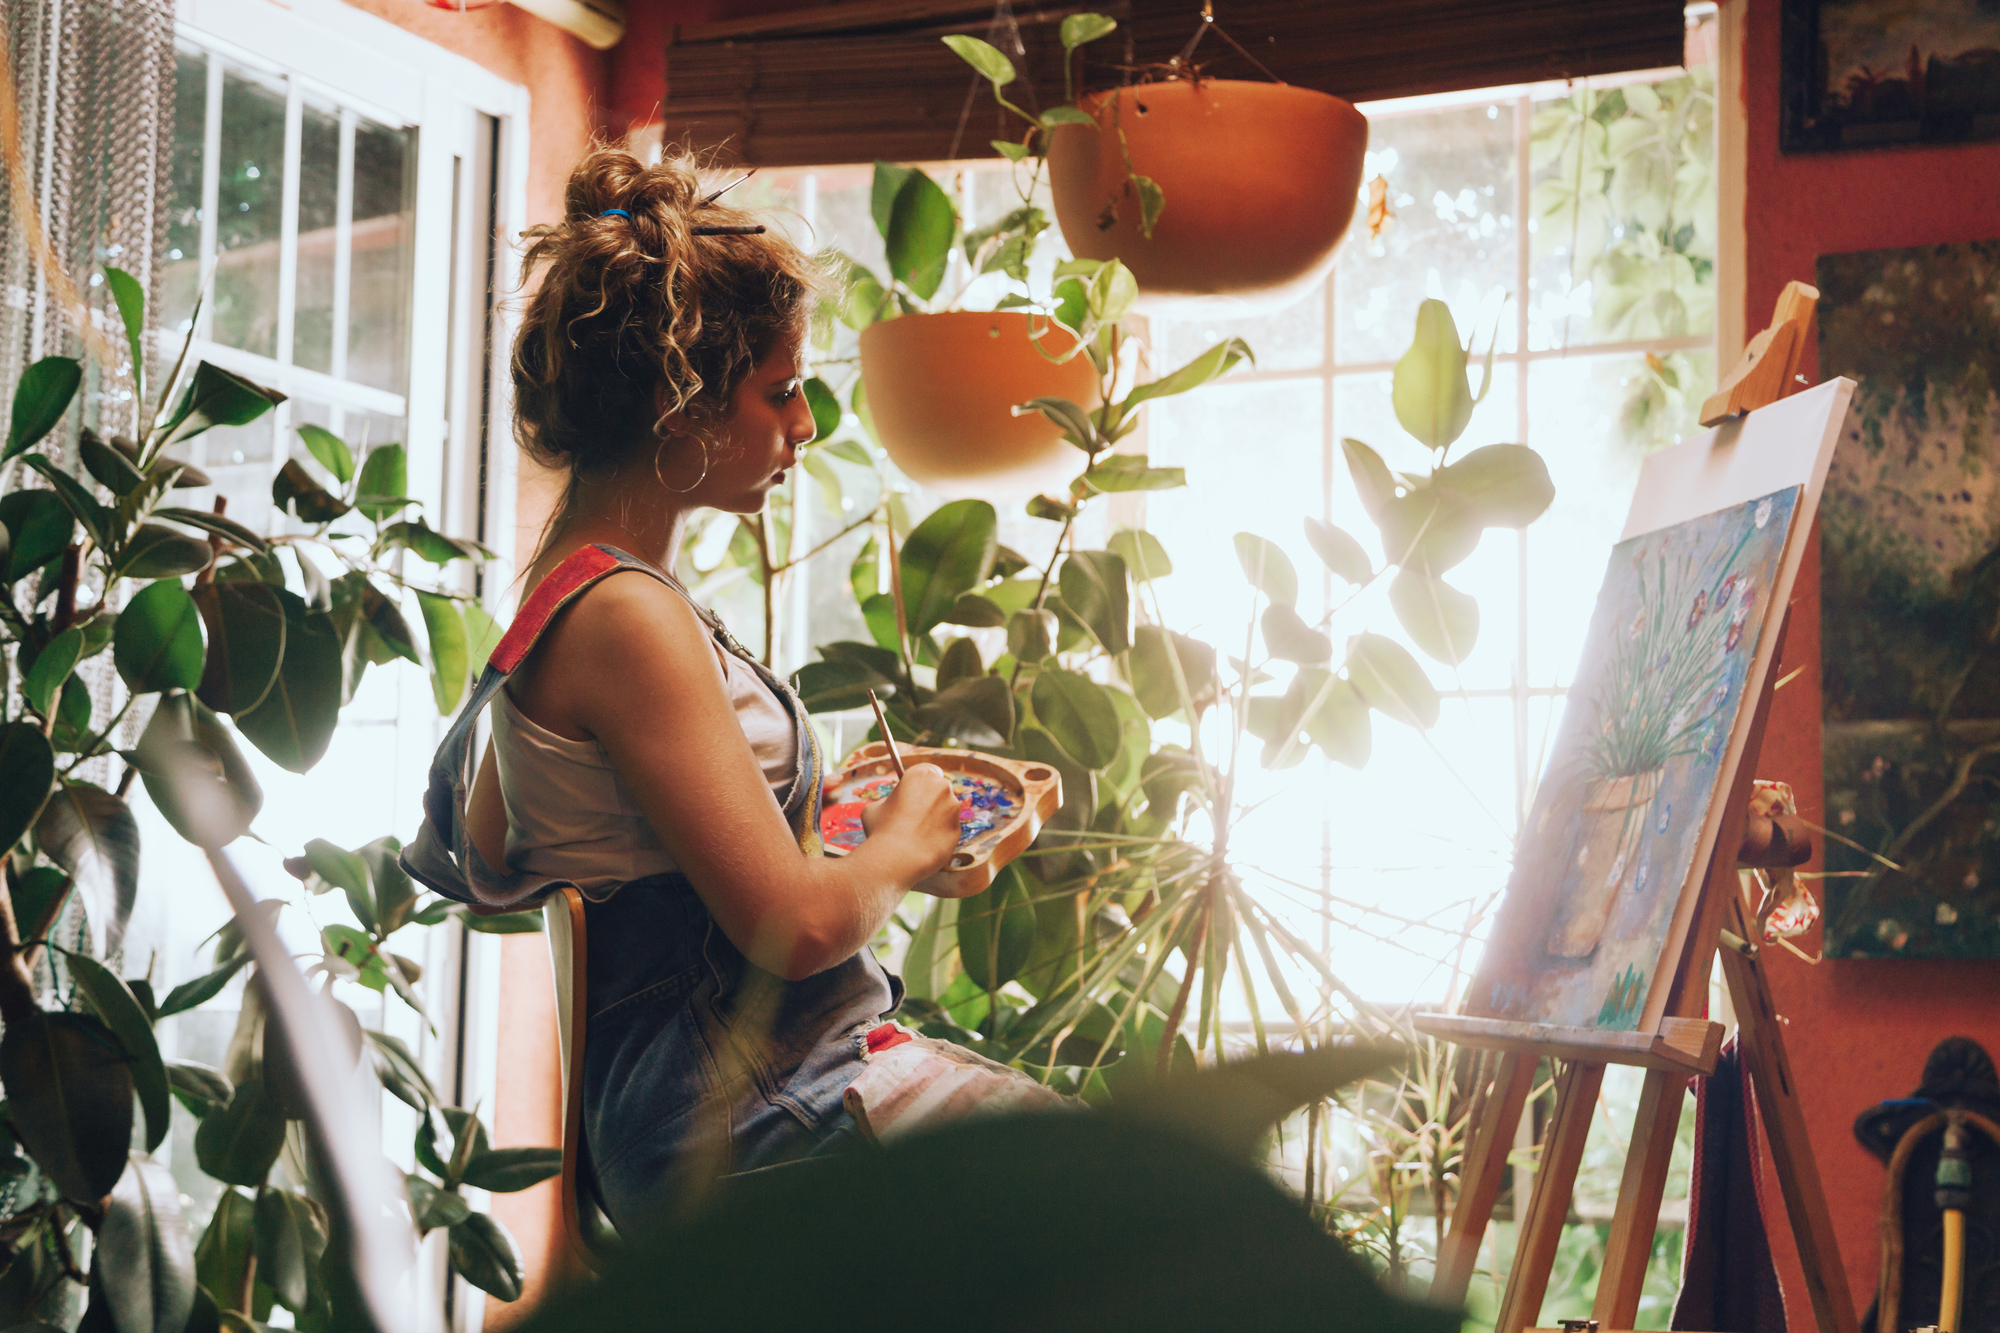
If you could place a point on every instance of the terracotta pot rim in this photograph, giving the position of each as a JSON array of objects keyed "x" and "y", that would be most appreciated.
[
  {"x": 1622, "y": 791},
  {"x": 1106, "y": 94}
]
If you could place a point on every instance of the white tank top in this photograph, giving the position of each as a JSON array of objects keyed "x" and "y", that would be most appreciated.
[{"x": 571, "y": 816}]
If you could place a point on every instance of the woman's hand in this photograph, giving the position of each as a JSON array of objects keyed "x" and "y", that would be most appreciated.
[{"x": 921, "y": 813}]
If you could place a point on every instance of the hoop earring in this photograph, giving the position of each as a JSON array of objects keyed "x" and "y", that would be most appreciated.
[{"x": 691, "y": 487}]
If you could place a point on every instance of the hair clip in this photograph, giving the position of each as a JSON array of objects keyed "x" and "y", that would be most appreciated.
[
  {"x": 727, "y": 188},
  {"x": 619, "y": 211},
  {"x": 756, "y": 229}
]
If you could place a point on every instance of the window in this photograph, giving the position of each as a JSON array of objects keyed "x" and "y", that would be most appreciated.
[
  {"x": 338, "y": 188},
  {"x": 1574, "y": 228}
]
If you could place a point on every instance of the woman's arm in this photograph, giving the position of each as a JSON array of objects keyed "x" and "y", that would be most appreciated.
[{"x": 631, "y": 665}]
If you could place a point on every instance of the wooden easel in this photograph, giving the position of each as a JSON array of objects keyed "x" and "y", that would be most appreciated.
[{"x": 1684, "y": 1045}]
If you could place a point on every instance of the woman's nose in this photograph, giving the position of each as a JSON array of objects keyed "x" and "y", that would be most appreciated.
[{"x": 801, "y": 429}]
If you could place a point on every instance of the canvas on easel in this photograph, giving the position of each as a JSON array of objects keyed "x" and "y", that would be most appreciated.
[
  {"x": 1626, "y": 876},
  {"x": 1618, "y": 839}
]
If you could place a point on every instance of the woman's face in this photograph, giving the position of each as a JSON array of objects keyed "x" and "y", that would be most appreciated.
[{"x": 769, "y": 424}]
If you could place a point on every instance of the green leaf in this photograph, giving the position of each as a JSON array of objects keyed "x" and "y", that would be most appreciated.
[
  {"x": 144, "y": 1264},
  {"x": 1152, "y": 203},
  {"x": 1289, "y": 638},
  {"x": 837, "y": 686},
  {"x": 400, "y": 1073},
  {"x": 196, "y": 776},
  {"x": 431, "y": 1207},
  {"x": 1079, "y": 714},
  {"x": 864, "y": 298},
  {"x": 91, "y": 833},
  {"x": 918, "y": 239},
  {"x": 39, "y": 527},
  {"x": 1013, "y": 152},
  {"x": 1432, "y": 398},
  {"x": 1335, "y": 717},
  {"x": 948, "y": 554},
  {"x": 347, "y": 871},
  {"x": 246, "y": 642},
  {"x": 1507, "y": 485},
  {"x": 1372, "y": 481},
  {"x": 825, "y": 408},
  {"x": 221, "y": 1258},
  {"x": 1145, "y": 558},
  {"x": 294, "y": 491},
  {"x": 289, "y": 1235},
  {"x": 221, "y": 526},
  {"x": 1077, "y": 29},
  {"x": 76, "y": 497},
  {"x": 1217, "y": 361},
  {"x": 38, "y": 896},
  {"x": 528, "y": 921},
  {"x": 1072, "y": 305},
  {"x": 982, "y": 56},
  {"x": 1339, "y": 552},
  {"x": 1268, "y": 568},
  {"x": 158, "y": 642},
  {"x": 979, "y": 711},
  {"x": 975, "y": 612},
  {"x": 482, "y": 635},
  {"x": 358, "y": 948},
  {"x": 384, "y": 482},
  {"x": 449, "y": 658},
  {"x": 1066, "y": 115},
  {"x": 295, "y": 720},
  {"x": 510, "y": 1170},
  {"x": 203, "y": 988},
  {"x": 112, "y": 469},
  {"x": 1391, "y": 682},
  {"x": 1430, "y": 528},
  {"x": 429, "y": 544},
  {"x": 468, "y": 1137},
  {"x": 926, "y": 971},
  {"x": 69, "y": 1100},
  {"x": 217, "y": 397},
  {"x": 1028, "y": 635},
  {"x": 483, "y": 1254},
  {"x": 996, "y": 930},
  {"x": 41, "y": 397},
  {"x": 1094, "y": 586},
  {"x": 1068, "y": 417},
  {"x": 395, "y": 893},
  {"x": 1114, "y": 473},
  {"x": 156, "y": 551},
  {"x": 239, "y": 1144},
  {"x": 331, "y": 451},
  {"x": 116, "y": 1005},
  {"x": 52, "y": 667},
  {"x": 1439, "y": 619},
  {"x": 1152, "y": 671},
  {"x": 961, "y": 661},
  {"x": 200, "y": 1088}
]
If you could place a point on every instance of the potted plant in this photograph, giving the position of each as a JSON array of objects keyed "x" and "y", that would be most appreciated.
[
  {"x": 1226, "y": 192},
  {"x": 939, "y": 384}
]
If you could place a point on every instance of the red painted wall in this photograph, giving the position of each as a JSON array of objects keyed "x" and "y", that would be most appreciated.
[{"x": 1858, "y": 1031}]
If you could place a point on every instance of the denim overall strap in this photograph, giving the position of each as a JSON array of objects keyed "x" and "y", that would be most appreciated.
[{"x": 443, "y": 856}]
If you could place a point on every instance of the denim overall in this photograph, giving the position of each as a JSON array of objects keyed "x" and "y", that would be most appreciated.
[{"x": 696, "y": 1062}]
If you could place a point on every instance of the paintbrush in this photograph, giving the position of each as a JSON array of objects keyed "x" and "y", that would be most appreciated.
[{"x": 887, "y": 738}]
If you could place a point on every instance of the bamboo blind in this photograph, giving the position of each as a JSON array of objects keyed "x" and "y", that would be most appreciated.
[{"x": 867, "y": 79}]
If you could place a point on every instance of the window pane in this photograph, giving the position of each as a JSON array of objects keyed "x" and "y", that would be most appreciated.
[
  {"x": 1451, "y": 187},
  {"x": 1624, "y": 214},
  {"x": 1574, "y": 406},
  {"x": 1293, "y": 338},
  {"x": 319, "y": 203},
  {"x": 378, "y": 291},
  {"x": 182, "y": 273},
  {"x": 248, "y": 209}
]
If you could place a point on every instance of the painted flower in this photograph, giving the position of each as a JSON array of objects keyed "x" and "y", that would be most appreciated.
[
  {"x": 1734, "y": 636},
  {"x": 1763, "y": 513},
  {"x": 1727, "y": 590},
  {"x": 1746, "y": 591},
  {"x": 1666, "y": 817},
  {"x": 1699, "y": 609},
  {"x": 1638, "y": 625}
]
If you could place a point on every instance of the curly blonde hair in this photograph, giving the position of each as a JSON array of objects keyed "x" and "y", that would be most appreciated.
[{"x": 638, "y": 318}]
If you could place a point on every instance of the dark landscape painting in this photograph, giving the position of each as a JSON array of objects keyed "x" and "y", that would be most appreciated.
[
  {"x": 1875, "y": 73},
  {"x": 1910, "y": 603}
]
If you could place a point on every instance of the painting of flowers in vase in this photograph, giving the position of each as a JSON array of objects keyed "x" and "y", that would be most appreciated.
[{"x": 1613, "y": 835}]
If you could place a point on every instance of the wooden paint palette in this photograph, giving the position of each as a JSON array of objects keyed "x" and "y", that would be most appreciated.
[{"x": 1002, "y": 803}]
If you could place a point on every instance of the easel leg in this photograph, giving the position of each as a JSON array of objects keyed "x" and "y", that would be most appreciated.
[
  {"x": 1630, "y": 1247},
  {"x": 1785, "y": 1130},
  {"x": 1479, "y": 1179},
  {"x": 1539, "y": 1229}
]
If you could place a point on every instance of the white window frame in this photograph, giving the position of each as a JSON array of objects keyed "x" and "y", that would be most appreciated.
[{"x": 457, "y": 401}]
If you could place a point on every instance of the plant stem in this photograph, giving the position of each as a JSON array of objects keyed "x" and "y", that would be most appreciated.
[
  {"x": 849, "y": 530},
  {"x": 761, "y": 530},
  {"x": 72, "y": 568},
  {"x": 17, "y": 981},
  {"x": 1163, "y": 1060}
]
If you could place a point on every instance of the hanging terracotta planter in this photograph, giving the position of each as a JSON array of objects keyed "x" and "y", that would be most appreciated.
[
  {"x": 942, "y": 389},
  {"x": 1260, "y": 181}
]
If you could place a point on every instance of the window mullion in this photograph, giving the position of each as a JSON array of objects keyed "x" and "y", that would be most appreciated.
[
  {"x": 343, "y": 244},
  {"x": 211, "y": 193},
  {"x": 288, "y": 264},
  {"x": 1524, "y": 112}
]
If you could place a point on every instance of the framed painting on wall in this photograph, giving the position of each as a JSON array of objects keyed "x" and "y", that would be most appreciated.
[
  {"x": 1878, "y": 73},
  {"x": 1910, "y": 603}
]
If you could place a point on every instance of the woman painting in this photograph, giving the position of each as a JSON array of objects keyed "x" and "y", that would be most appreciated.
[{"x": 637, "y": 752}]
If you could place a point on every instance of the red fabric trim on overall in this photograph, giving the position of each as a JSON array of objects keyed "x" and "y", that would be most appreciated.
[
  {"x": 568, "y": 578},
  {"x": 881, "y": 1038}
]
